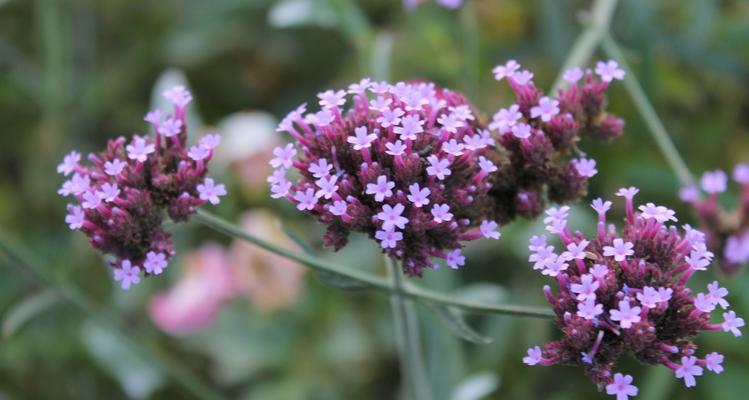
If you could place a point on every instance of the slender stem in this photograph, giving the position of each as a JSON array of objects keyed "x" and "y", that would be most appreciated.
[
  {"x": 406, "y": 323},
  {"x": 599, "y": 19},
  {"x": 23, "y": 259},
  {"x": 655, "y": 125},
  {"x": 370, "y": 280}
]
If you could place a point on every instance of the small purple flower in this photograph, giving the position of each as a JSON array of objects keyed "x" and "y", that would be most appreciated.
[
  {"x": 609, "y": 71},
  {"x": 210, "y": 192},
  {"x": 283, "y": 156},
  {"x": 659, "y": 213},
  {"x": 713, "y": 362},
  {"x": 717, "y": 294},
  {"x": 573, "y": 75},
  {"x": 688, "y": 370},
  {"x": 75, "y": 218},
  {"x": 714, "y": 181},
  {"x": 210, "y": 141},
  {"x": 585, "y": 167},
  {"x": 280, "y": 189},
  {"x": 589, "y": 310},
  {"x": 453, "y": 148},
  {"x": 523, "y": 77},
  {"x": 114, "y": 167},
  {"x": 704, "y": 303},
  {"x": 69, "y": 163},
  {"x": 323, "y": 118},
  {"x": 127, "y": 274},
  {"x": 362, "y": 140},
  {"x": 155, "y": 263},
  {"x": 600, "y": 206},
  {"x": 506, "y": 118},
  {"x": 649, "y": 297},
  {"x": 625, "y": 315},
  {"x": 441, "y": 213},
  {"x": 178, "y": 95},
  {"x": 388, "y": 238},
  {"x": 395, "y": 149},
  {"x": 139, "y": 149},
  {"x": 546, "y": 109},
  {"x": 320, "y": 169},
  {"x": 171, "y": 127},
  {"x": 91, "y": 200},
  {"x": 586, "y": 289},
  {"x": 331, "y": 99},
  {"x": 628, "y": 193},
  {"x": 338, "y": 208},
  {"x": 109, "y": 192},
  {"x": 732, "y": 323},
  {"x": 411, "y": 125},
  {"x": 327, "y": 187},
  {"x": 418, "y": 196},
  {"x": 619, "y": 250},
  {"x": 382, "y": 189},
  {"x": 455, "y": 259},
  {"x": 505, "y": 71},
  {"x": 391, "y": 217},
  {"x": 621, "y": 387},
  {"x": 198, "y": 153},
  {"x": 521, "y": 131},
  {"x": 489, "y": 229},
  {"x": 306, "y": 200},
  {"x": 438, "y": 167},
  {"x": 599, "y": 271},
  {"x": 390, "y": 117},
  {"x": 534, "y": 356},
  {"x": 689, "y": 193},
  {"x": 450, "y": 122},
  {"x": 153, "y": 116},
  {"x": 741, "y": 174}
]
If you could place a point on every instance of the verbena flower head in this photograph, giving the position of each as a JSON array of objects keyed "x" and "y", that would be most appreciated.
[
  {"x": 626, "y": 292},
  {"x": 538, "y": 133},
  {"x": 125, "y": 190},
  {"x": 405, "y": 164},
  {"x": 727, "y": 231}
]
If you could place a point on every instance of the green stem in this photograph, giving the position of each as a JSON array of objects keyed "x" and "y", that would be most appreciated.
[
  {"x": 470, "y": 33},
  {"x": 599, "y": 19},
  {"x": 654, "y": 124},
  {"x": 370, "y": 280},
  {"x": 23, "y": 259},
  {"x": 406, "y": 323}
]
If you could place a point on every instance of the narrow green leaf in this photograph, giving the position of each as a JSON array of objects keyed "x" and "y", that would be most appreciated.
[
  {"x": 457, "y": 324},
  {"x": 26, "y": 309}
]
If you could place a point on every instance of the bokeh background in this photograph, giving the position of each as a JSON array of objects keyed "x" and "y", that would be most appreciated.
[{"x": 229, "y": 321}]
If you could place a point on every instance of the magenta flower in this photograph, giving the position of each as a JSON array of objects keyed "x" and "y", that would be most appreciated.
[
  {"x": 573, "y": 75},
  {"x": 393, "y": 152},
  {"x": 536, "y": 136},
  {"x": 128, "y": 188},
  {"x": 69, "y": 163},
  {"x": 627, "y": 294},
  {"x": 714, "y": 182},
  {"x": 489, "y": 230}
]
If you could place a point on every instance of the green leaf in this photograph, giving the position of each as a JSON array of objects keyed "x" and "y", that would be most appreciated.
[
  {"x": 457, "y": 324},
  {"x": 26, "y": 309}
]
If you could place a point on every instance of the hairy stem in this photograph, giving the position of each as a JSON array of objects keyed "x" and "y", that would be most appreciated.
[
  {"x": 598, "y": 21},
  {"x": 406, "y": 324},
  {"x": 655, "y": 125},
  {"x": 370, "y": 280}
]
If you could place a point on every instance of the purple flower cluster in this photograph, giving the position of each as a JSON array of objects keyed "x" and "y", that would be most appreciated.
[
  {"x": 123, "y": 193},
  {"x": 538, "y": 133},
  {"x": 627, "y": 292},
  {"x": 405, "y": 163},
  {"x": 727, "y": 231}
]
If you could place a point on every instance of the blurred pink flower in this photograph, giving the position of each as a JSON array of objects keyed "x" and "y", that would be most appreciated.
[
  {"x": 215, "y": 275},
  {"x": 194, "y": 302}
]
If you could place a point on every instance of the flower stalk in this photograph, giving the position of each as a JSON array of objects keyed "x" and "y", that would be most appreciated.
[{"x": 372, "y": 281}]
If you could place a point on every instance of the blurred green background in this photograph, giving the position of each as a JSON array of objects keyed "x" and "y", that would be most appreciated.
[{"x": 75, "y": 73}]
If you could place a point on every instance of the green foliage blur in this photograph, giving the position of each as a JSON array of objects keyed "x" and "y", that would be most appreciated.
[{"x": 75, "y": 73}]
